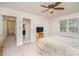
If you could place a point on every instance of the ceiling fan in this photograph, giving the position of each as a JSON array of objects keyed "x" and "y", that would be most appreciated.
[{"x": 52, "y": 7}]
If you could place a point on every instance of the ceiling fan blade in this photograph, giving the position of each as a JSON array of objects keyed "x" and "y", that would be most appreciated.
[
  {"x": 59, "y": 8},
  {"x": 45, "y": 10},
  {"x": 56, "y": 4},
  {"x": 44, "y": 6}
]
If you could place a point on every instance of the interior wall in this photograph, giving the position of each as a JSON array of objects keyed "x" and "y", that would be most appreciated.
[
  {"x": 4, "y": 26},
  {"x": 55, "y": 25},
  {"x": 1, "y": 26},
  {"x": 40, "y": 22},
  {"x": 36, "y": 20}
]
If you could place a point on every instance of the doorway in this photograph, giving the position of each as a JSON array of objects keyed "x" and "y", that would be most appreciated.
[
  {"x": 9, "y": 30},
  {"x": 10, "y": 27},
  {"x": 26, "y": 30}
]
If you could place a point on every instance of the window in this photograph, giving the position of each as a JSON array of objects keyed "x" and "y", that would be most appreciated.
[
  {"x": 71, "y": 25},
  {"x": 63, "y": 26}
]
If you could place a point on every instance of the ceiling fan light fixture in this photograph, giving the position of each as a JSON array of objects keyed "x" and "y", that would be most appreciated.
[
  {"x": 52, "y": 7},
  {"x": 51, "y": 10}
]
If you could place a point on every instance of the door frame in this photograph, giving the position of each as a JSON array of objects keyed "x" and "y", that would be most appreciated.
[
  {"x": 7, "y": 24},
  {"x": 25, "y": 20}
]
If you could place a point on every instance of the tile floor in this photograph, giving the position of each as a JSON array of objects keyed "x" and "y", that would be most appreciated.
[{"x": 27, "y": 49}]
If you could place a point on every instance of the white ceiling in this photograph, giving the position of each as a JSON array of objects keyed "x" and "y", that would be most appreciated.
[{"x": 35, "y": 8}]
